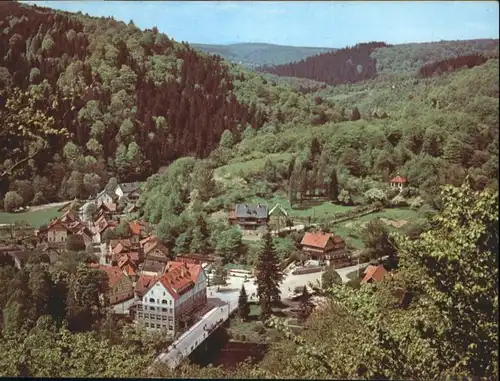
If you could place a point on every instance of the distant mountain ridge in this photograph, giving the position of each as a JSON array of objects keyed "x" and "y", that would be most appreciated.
[{"x": 252, "y": 54}]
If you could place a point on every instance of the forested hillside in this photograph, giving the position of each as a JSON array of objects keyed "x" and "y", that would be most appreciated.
[
  {"x": 347, "y": 65},
  {"x": 366, "y": 61},
  {"x": 255, "y": 54},
  {"x": 82, "y": 98}
]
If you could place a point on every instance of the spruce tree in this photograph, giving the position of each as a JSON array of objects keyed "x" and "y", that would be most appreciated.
[
  {"x": 243, "y": 307},
  {"x": 269, "y": 274},
  {"x": 334, "y": 186},
  {"x": 265, "y": 309}
]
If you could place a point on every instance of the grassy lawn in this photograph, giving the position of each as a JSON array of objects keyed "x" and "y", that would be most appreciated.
[
  {"x": 344, "y": 228},
  {"x": 35, "y": 218}
]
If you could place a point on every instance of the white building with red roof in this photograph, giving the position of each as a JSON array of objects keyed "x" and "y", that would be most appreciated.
[{"x": 168, "y": 301}]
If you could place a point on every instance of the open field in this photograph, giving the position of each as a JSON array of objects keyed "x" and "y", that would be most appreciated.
[
  {"x": 394, "y": 216},
  {"x": 35, "y": 218}
]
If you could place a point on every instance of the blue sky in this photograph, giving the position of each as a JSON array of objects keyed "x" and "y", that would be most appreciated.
[{"x": 321, "y": 24}]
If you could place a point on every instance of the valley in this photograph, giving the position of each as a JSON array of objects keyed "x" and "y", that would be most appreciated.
[{"x": 338, "y": 205}]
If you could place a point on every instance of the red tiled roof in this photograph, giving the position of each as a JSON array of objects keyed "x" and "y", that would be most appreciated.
[
  {"x": 179, "y": 277},
  {"x": 135, "y": 228},
  {"x": 316, "y": 239},
  {"x": 398, "y": 179},
  {"x": 144, "y": 282},
  {"x": 129, "y": 270},
  {"x": 124, "y": 242},
  {"x": 376, "y": 273},
  {"x": 58, "y": 226},
  {"x": 114, "y": 273}
]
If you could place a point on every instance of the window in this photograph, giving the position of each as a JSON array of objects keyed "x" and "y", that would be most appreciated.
[
  {"x": 170, "y": 318},
  {"x": 164, "y": 318},
  {"x": 170, "y": 310},
  {"x": 146, "y": 316},
  {"x": 151, "y": 300},
  {"x": 170, "y": 328},
  {"x": 147, "y": 325},
  {"x": 170, "y": 302},
  {"x": 158, "y": 317},
  {"x": 140, "y": 315},
  {"x": 158, "y": 325},
  {"x": 151, "y": 308},
  {"x": 163, "y": 301},
  {"x": 164, "y": 310}
]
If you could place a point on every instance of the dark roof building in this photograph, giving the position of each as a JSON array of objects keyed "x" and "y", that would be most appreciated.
[{"x": 251, "y": 211}]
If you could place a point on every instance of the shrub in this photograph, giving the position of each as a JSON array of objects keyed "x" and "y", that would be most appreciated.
[{"x": 12, "y": 201}]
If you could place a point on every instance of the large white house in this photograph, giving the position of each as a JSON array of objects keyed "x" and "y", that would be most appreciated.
[{"x": 171, "y": 298}]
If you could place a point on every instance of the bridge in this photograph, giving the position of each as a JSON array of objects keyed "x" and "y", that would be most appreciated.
[{"x": 197, "y": 334}]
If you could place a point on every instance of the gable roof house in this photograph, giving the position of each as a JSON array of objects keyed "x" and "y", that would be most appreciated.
[
  {"x": 120, "y": 285},
  {"x": 128, "y": 266},
  {"x": 106, "y": 196},
  {"x": 179, "y": 291},
  {"x": 374, "y": 274},
  {"x": 325, "y": 246},
  {"x": 249, "y": 216},
  {"x": 130, "y": 191}
]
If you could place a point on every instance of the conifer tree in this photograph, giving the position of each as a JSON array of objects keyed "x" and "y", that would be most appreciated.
[
  {"x": 269, "y": 274},
  {"x": 334, "y": 186},
  {"x": 243, "y": 307},
  {"x": 265, "y": 309}
]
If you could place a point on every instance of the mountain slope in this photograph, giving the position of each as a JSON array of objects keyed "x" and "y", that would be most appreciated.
[
  {"x": 102, "y": 98},
  {"x": 366, "y": 61},
  {"x": 258, "y": 54}
]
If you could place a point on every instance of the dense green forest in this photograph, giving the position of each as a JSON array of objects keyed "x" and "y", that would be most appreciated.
[{"x": 257, "y": 54}]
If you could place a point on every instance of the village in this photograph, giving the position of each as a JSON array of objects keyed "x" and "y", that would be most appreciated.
[{"x": 150, "y": 285}]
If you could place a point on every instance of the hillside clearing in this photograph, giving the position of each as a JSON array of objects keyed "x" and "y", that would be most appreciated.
[{"x": 35, "y": 218}]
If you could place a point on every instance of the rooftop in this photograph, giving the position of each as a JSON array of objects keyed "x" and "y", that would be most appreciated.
[{"x": 251, "y": 211}]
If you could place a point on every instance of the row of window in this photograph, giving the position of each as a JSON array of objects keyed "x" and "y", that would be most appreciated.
[
  {"x": 157, "y": 301},
  {"x": 151, "y": 308},
  {"x": 159, "y": 326},
  {"x": 142, "y": 315}
]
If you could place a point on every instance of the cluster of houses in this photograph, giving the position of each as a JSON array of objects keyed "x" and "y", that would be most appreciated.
[
  {"x": 162, "y": 292},
  {"x": 159, "y": 292}
]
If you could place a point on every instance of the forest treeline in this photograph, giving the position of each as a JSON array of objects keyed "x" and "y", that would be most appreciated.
[
  {"x": 451, "y": 64},
  {"x": 347, "y": 65}
]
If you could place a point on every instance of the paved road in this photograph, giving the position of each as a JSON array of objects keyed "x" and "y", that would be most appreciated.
[{"x": 230, "y": 293}]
